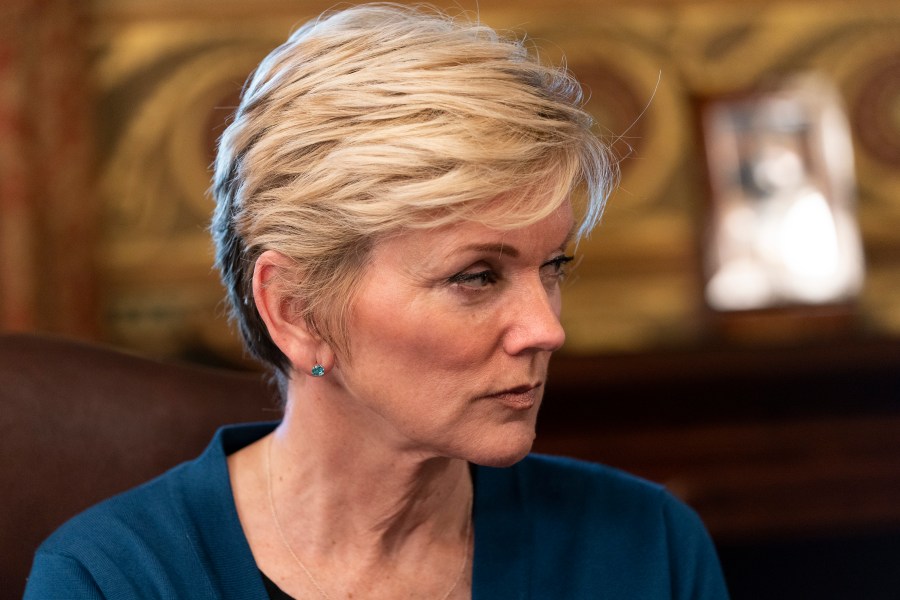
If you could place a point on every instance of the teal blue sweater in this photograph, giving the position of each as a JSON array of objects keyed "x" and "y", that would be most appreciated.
[{"x": 545, "y": 528}]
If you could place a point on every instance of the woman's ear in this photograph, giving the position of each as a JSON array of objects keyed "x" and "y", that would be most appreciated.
[{"x": 278, "y": 309}]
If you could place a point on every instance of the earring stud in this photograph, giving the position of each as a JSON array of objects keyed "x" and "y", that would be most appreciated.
[{"x": 317, "y": 370}]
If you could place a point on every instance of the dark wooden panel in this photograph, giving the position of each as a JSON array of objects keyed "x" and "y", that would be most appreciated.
[{"x": 762, "y": 442}]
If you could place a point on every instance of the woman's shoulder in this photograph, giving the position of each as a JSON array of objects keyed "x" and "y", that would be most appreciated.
[
  {"x": 570, "y": 477},
  {"x": 185, "y": 494},
  {"x": 597, "y": 524},
  {"x": 177, "y": 525},
  {"x": 589, "y": 493},
  {"x": 577, "y": 470},
  {"x": 109, "y": 545},
  {"x": 134, "y": 507}
]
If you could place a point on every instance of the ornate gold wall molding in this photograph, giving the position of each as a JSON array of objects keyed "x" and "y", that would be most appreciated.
[
  {"x": 48, "y": 209},
  {"x": 168, "y": 71}
]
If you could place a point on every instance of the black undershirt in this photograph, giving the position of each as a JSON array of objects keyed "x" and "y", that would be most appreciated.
[{"x": 274, "y": 592}]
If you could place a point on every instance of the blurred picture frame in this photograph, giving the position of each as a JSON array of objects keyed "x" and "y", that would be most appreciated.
[{"x": 780, "y": 228}]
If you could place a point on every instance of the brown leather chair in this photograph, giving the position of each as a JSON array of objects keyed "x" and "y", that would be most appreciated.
[{"x": 80, "y": 422}]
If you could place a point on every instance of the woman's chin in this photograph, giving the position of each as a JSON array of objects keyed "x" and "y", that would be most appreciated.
[{"x": 504, "y": 453}]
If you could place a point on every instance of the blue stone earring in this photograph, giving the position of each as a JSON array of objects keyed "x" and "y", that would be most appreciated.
[{"x": 317, "y": 370}]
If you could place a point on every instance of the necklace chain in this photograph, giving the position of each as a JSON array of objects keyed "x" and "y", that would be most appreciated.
[{"x": 303, "y": 567}]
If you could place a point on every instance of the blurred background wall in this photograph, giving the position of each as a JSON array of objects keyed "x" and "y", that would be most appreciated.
[
  {"x": 779, "y": 426},
  {"x": 109, "y": 112}
]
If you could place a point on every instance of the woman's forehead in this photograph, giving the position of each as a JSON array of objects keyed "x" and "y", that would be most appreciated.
[{"x": 554, "y": 231}]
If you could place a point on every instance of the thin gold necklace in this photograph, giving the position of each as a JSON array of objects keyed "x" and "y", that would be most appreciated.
[{"x": 306, "y": 571}]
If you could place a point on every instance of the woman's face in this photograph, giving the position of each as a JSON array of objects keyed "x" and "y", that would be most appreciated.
[{"x": 451, "y": 335}]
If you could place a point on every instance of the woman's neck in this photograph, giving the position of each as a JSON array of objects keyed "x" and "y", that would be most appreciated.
[
  {"x": 354, "y": 487},
  {"x": 353, "y": 508}
]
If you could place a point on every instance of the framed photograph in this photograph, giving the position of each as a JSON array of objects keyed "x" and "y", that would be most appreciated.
[{"x": 780, "y": 227}]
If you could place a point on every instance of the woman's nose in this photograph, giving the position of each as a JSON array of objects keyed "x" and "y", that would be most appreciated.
[{"x": 534, "y": 323}]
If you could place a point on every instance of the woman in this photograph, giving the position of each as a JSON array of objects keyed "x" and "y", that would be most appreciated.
[{"x": 395, "y": 199}]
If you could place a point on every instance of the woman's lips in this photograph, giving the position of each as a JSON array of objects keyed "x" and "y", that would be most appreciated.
[{"x": 518, "y": 398}]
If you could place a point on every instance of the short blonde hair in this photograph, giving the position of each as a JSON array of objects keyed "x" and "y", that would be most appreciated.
[{"x": 383, "y": 117}]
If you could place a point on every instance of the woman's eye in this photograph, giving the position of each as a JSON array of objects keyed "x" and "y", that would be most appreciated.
[
  {"x": 556, "y": 268},
  {"x": 477, "y": 279}
]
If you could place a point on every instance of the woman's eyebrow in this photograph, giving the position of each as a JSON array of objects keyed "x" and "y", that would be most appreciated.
[
  {"x": 570, "y": 236},
  {"x": 498, "y": 248}
]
